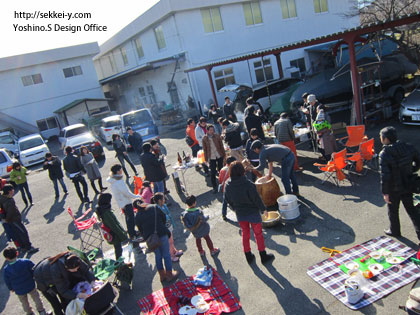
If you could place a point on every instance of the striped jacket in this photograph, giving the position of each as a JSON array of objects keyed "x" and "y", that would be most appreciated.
[{"x": 283, "y": 130}]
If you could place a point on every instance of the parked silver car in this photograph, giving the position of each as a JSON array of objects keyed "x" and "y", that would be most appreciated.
[
  {"x": 78, "y": 135},
  {"x": 410, "y": 108}
]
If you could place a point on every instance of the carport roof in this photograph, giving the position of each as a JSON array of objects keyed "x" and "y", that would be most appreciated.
[
  {"x": 77, "y": 102},
  {"x": 360, "y": 30}
]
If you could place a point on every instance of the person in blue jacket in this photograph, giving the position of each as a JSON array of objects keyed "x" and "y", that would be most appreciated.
[{"x": 18, "y": 276}]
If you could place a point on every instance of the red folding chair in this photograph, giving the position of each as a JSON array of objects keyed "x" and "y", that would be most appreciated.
[
  {"x": 355, "y": 136},
  {"x": 138, "y": 183},
  {"x": 366, "y": 155},
  {"x": 367, "y": 150},
  {"x": 334, "y": 169},
  {"x": 90, "y": 232}
]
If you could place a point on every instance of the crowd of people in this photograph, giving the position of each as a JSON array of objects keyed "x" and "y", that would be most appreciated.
[{"x": 147, "y": 215}]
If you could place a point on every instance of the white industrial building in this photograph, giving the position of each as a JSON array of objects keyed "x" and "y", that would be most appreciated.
[
  {"x": 144, "y": 63},
  {"x": 33, "y": 86}
]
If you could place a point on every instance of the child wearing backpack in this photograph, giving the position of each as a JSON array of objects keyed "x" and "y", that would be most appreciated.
[
  {"x": 18, "y": 276},
  {"x": 194, "y": 221}
]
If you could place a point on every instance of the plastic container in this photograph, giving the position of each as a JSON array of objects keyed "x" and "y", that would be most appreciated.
[{"x": 287, "y": 202}]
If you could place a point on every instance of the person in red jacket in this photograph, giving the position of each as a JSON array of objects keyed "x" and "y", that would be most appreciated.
[
  {"x": 190, "y": 132},
  {"x": 195, "y": 146}
]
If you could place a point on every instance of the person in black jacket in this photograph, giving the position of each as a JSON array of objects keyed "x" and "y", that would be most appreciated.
[
  {"x": 121, "y": 154},
  {"x": 241, "y": 194},
  {"x": 53, "y": 165},
  {"x": 254, "y": 121},
  {"x": 74, "y": 169},
  {"x": 213, "y": 116},
  {"x": 398, "y": 161},
  {"x": 152, "y": 167},
  {"x": 150, "y": 218},
  {"x": 135, "y": 140},
  {"x": 56, "y": 276},
  {"x": 232, "y": 136},
  {"x": 229, "y": 110}
]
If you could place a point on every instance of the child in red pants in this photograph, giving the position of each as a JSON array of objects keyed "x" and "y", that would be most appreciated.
[{"x": 195, "y": 221}]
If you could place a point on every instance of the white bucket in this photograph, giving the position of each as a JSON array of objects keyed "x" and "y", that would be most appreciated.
[
  {"x": 287, "y": 202},
  {"x": 290, "y": 214}
]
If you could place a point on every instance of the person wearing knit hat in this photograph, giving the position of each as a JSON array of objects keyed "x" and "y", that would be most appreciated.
[{"x": 108, "y": 218}]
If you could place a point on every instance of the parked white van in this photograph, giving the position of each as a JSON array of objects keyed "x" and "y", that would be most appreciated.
[{"x": 32, "y": 149}]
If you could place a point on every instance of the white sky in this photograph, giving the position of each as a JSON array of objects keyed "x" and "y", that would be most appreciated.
[{"x": 114, "y": 14}]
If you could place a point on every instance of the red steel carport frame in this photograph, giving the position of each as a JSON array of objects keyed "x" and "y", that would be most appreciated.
[{"x": 348, "y": 37}]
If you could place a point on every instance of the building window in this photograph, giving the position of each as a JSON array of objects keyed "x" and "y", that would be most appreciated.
[
  {"x": 47, "y": 123},
  {"x": 260, "y": 70},
  {"x": 124, "y": 56},
  {"x": 320, "y": 6},
  {"x": 32, "y": 79},
  {"x": 139, "y": 48},
  {"x": 160, "y": 39},
  {"x": 252, "y": 13},
  {"x": 224, "y": 77},
  {"x": 72, "y": 71},
  {"x": 288, "y": 9},
  {"x": 212, "y": 20},
  {"x": 151, "y": 94},
  {"x": 143, "y": 97},
  {"x": 111, "y": 63},
  {"x": 300, "y": 64}
]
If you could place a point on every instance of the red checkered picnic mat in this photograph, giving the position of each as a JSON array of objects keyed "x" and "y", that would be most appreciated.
[
  {"x": 328, "y": 274},
  {"x": 165, "y": 301}
]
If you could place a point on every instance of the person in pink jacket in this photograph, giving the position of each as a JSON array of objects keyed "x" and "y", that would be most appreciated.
[{"x": 146, "y": 192}]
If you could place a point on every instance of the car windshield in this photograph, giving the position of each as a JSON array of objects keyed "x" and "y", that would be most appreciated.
[
  {"x": 112, "y": 123},
  {"x": 30, "y": 143},
  {"x": 76, "y": 131},
  {"x": 6, "y": 139},
  {"x": 136, "y": 118}
]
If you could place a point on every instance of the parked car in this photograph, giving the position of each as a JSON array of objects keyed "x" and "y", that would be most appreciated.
[
  {"x": 275, "y": 96},
  {"x": 9, "y": 141},
  {"x": 109, "y": 126},
  {"x": 6, "y": 162},
  {"x": 410, "y": 108},
  {"x": 141, "y": 121},
  {"x": 31, "y": 149},
  {"x": 78, "y": 135}
]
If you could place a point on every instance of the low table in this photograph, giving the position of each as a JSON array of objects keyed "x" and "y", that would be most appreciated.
[
  {"x": 328, "y": 274},
  {"x": 183, "y": 169}
]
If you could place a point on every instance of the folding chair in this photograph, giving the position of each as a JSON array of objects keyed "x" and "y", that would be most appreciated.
[
  {"x": 355, "y": 136},
  {"x": 367, "y": 150},
  {"x": 102, "y": 301},
  {"x": 356, "y": 161},
  {"x": 334, "y": 169},
  {"x": 88, "y": 258},
  {"x": 138, "y": 183},
  {"x": 365, "y": 155},
  {"x": 90, "y": 232}
]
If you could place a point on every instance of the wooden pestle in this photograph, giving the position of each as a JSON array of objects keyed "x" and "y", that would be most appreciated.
[{"x": 246, "y": 163}]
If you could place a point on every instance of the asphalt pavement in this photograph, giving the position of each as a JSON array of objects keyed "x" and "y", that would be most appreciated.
[{"x": 334, "y": 217}]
